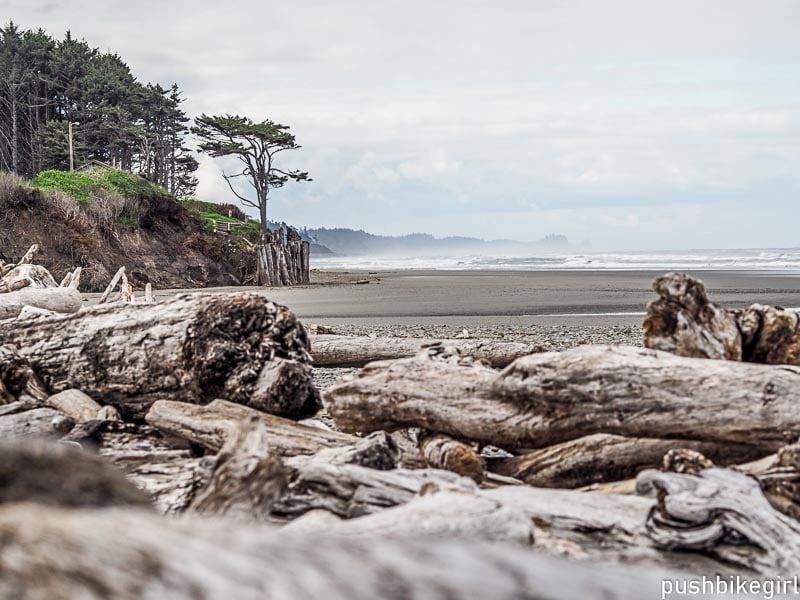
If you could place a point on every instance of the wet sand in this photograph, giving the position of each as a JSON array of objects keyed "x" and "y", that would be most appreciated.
[{"x": 503, "y": 297}]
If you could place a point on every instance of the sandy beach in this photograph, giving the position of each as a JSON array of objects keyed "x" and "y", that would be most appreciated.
[{"x": 554, "y": 309}]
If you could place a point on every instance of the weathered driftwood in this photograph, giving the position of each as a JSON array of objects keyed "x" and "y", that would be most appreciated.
[
  {"x": 26, "y": 276},
  {"x": 209, "y": 425},
  {"x": 723, "y": 513},
  {"x": 443, "y": 452},
  {"x": 353, "y": 351},
  {"x": 38, "y": 422},
  {"x": 603, "y": 457},
  {"x": 62, "y": 554},
  {"x": 166, "y": 470},
  {"x": 376, "y": 451},
  {"x": 112, "y": 284},
  {"x": 352, "y": 490},
  {"x": 59, "y": 475},
  {"x": 433, "y": 513},
  {"x": 26, "y": 259},
  {"x": 246, "y": 480},
  {"x": 57, "y": 299},
  {"x": 17, "y": 379},
  {"x": 75, "y": 404},
  {"x": 548, "y": 398},
  {"x": 683, "y": 321},
  {"x": 193, "y": 348}
]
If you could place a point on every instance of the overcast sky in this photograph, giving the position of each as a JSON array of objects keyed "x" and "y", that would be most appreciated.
[{"x": 626, "y": 124}]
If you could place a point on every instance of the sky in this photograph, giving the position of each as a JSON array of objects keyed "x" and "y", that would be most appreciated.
[{"x": 622, "y": 124}]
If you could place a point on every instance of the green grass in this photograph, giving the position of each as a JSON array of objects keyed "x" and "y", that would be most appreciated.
[
  {"x": 78, "y": 185},
  {"x": 208, "y": 212},
  {"x": 81, "y": 185}
]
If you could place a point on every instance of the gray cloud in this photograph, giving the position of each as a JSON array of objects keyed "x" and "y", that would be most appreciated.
[{"x": 626, "y": 123}]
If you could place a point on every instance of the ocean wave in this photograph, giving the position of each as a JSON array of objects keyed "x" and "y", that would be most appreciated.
[{"x": 763, "y": 259}]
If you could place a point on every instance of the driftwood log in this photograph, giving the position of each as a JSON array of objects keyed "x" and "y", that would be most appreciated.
[
  {"x": 549, "y": 398},
  {"x": 57, "y": 299},
  {"x": 603, "y": 458},
  {"x": 247, "y": 480},
  {"x": 355, "y": 351},
  {"x": 725, "y": 514},
  {"x": 685, "y": 322},
  {"x": 63, "y": 554},
  {"x": 193, "y": 348},
  {"x": 209, "y": 425}
]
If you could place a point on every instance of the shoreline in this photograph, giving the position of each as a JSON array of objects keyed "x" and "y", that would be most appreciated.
[{"x": 590, "y": 297}]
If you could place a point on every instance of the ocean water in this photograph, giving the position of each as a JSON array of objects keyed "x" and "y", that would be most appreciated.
[{"x": 774, "y": 260}]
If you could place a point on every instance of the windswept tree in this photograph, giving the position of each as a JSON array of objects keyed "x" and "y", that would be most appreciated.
[{"x": 257, "y": 146}]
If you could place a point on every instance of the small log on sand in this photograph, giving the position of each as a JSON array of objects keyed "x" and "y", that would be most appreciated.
[
  {"x": 61, "y": 553},
  {"x": 549, "y": 398},
  {"x": 683, "y": 321},
  {"x": 354, "y": 351},
  {"x": 193, "y": 348},
  {"x": 603, "y": 457}
]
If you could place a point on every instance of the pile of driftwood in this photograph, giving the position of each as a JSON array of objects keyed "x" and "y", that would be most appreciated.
[{"x": 622, "y": 467}]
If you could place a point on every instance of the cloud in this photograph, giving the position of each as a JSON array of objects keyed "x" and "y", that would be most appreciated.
[{"x": 607, "y": 121}]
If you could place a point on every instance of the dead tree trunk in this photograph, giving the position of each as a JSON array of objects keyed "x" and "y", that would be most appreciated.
[{"x": 193, "y": 348}]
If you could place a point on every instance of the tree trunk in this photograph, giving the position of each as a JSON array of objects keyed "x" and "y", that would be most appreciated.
[
  {"x": 193, "y": 348},
  {"x": 548, "y": 398}
]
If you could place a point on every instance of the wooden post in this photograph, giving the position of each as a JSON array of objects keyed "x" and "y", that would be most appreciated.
[{"x": 71, "y": 153}]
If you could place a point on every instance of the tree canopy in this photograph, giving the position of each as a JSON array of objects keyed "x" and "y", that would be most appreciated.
[
  {"x": 256, "y": 145},
  {"x": 46, "y": 83}
]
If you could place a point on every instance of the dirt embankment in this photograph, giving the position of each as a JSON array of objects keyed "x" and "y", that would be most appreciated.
[{"x": 157, "y": 239}]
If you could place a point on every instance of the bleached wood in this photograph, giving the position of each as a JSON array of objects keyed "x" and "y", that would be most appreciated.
[
  {"x": 354, "y": 351},
  {"x": 208, "y": 426},
  {"x": 126, "y": 554},
  {"x": 112, "y": 284},
  {"x": 75, "y": 404},
  {"x": 38, "y": 422},
  {"x": 56, "y": 299},
  {"x": 549, "y": 398},
  {"x": 725, "y": 514},
  {"x": 246, "y": 480},
  {"x": 601, "y": 458},
  {"x": 191, "y": 348}
]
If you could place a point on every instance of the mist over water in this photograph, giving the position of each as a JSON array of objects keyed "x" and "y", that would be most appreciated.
[{"x": 761, "y": 259}]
